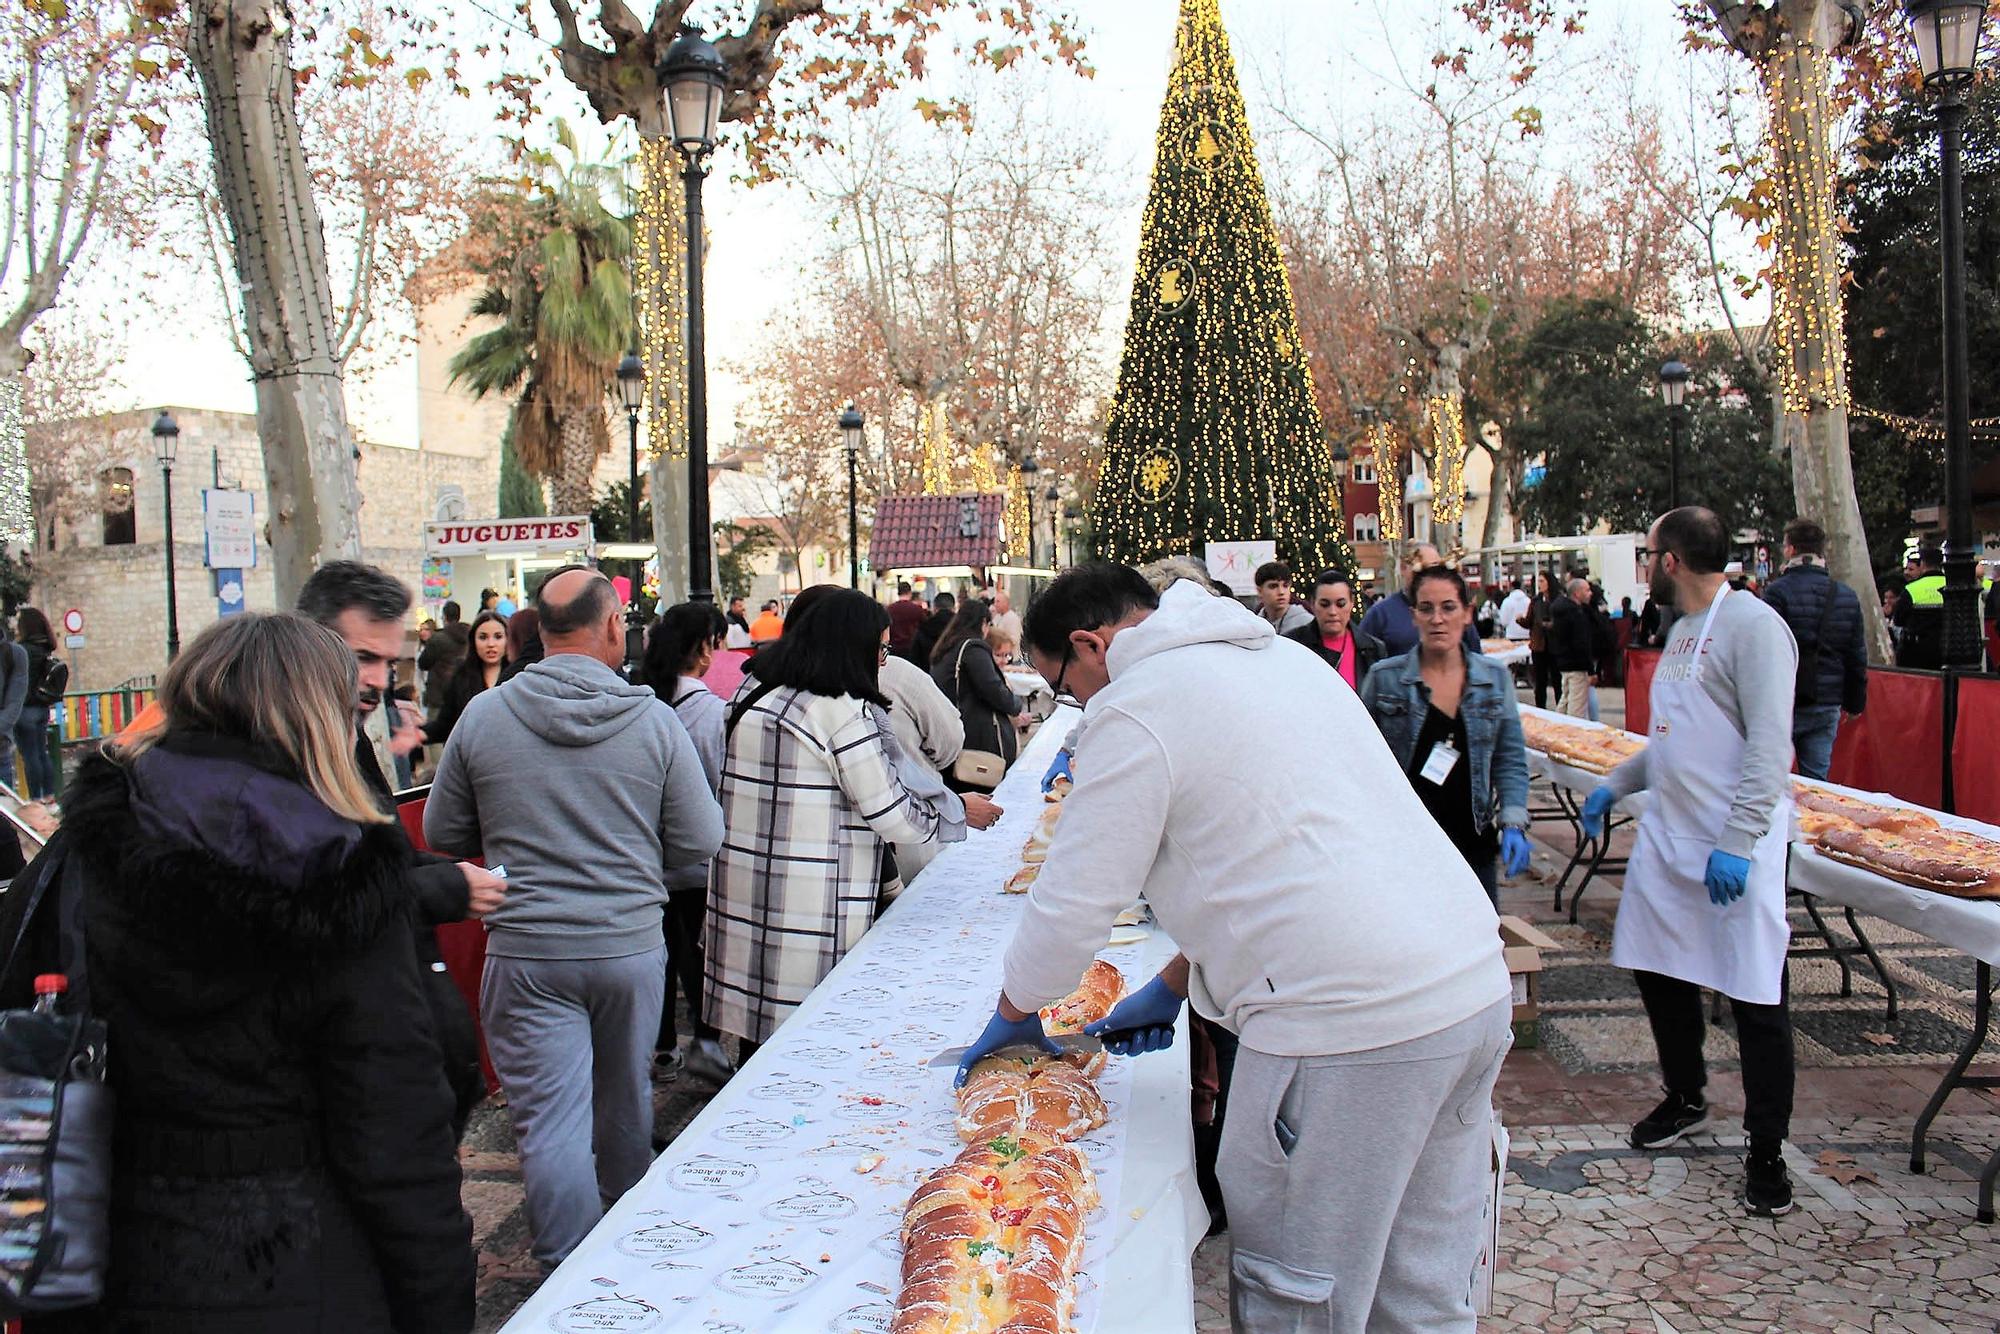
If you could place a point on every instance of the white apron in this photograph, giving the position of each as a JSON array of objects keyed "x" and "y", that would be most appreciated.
[{"x": 1666, "y": 923}]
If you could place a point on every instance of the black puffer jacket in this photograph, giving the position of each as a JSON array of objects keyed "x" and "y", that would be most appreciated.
[
  {"x": 285, "y": 1157},
  {"x": 1839, "y": 665}
]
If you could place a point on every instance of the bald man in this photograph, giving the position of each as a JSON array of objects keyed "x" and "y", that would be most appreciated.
[
  {"x": 1573, "y": 639},
  {"x": 588, "y": 790}
]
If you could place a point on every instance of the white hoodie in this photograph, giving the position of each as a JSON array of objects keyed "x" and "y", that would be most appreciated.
[{"x": 1276, "y": 838}]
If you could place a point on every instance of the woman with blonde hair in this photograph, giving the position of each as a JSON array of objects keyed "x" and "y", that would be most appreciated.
[{"x": 285, "y": 1152}]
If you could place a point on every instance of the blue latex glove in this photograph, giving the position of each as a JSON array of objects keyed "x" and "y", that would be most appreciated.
[
  {"x": 1595, "y": 808},
  {"x": 1514, "y": 851},
  {"x": 1060, "y": 769},
  {"x": 1142, "y": 1022},
  {"x": 1728, "y": 876},
  {"x": 1002, "y": 1032}
]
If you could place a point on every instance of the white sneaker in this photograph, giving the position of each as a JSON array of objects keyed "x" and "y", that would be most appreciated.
[{"x": 705, "y": 1059}]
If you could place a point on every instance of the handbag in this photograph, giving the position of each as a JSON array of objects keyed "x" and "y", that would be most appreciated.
[
  {"x": 975, "y": 768},
  {"x": 56, "y": 1126}
]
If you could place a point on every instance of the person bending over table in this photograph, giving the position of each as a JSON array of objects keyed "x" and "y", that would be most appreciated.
[
  {"x": 1704, "y": 901},
  {"x": 1451, "y": 720},
  {"x": 1323, "y": 917}
]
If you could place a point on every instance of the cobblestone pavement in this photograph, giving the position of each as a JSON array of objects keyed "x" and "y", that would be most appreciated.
[{"x": 1596, "y": 1236}]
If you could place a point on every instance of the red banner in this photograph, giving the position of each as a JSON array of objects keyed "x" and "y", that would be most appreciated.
[
  {"x": 1897, "y": 745},
  {"x": 1639, "y": 666},
  {"x": 462, "y": 945},
  {"x": 1975, "y": 759}
]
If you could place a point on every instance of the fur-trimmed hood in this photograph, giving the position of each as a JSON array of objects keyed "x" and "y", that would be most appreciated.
[{"x": 204, "y": 850}]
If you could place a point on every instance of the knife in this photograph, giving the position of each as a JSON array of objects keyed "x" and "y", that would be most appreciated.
[{"x": 1069, "y": 1042}]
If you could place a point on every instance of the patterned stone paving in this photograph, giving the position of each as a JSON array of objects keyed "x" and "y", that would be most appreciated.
[{"x": 1598, "y": 1237}]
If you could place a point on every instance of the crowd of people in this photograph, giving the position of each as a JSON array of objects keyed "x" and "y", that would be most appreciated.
[{"x": 294, "y": 1065}]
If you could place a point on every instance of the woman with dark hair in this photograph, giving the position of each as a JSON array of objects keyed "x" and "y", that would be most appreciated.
[
  {"x": 286, "y": 1159},
  {"x": 481, "y": 669},
  {"x": 680, "y": 649},
  {"x": 31, "y": 729},
  {"x": 1541, "y": 624},
  {"x": 524, "y": 642},
  {"x": 810, "y": 794},
  {"x": 1451, "y": 720},
  {"x": 964, "y": 668}
]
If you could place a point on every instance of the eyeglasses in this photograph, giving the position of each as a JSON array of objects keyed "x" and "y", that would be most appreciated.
[{"x": 1056, "y": 688}]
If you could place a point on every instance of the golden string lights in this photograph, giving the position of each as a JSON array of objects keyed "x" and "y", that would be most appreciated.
[
  {"x": 1806, "y": 301},
  {"x": 1215, "y": 433},
  {"x": 658, "y": 294},
  {"x": 1919, "y": 428},
  {"x": 17, "y": 519},
  {"x": 1017, "y": 513},
  {"x": 1444, "y": 418},
  {"x": 1388, "y": 481},
  {"x": 938, "y": 470}
]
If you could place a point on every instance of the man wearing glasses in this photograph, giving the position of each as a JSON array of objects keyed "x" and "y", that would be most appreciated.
[
  {"x": 1704, "y": 900},
  {"x": 1337, "y": 932}
]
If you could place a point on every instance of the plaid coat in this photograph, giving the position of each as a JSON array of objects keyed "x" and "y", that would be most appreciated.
[{"x": 808, "y": 798}]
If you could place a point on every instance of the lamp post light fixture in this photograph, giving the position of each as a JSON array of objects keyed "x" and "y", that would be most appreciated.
[
  {"x": 1341, "y": 455},
  {"x": 695, "y": 76},
  {"x": 1028, "y": 470},
  {"x": 166, "y": 447},
  {"x": 851, "y": 423},
  {"x": 1947, "y": 33},
  {"x": 1053, "y": 497},
  {"x": 1674, "y": 377}
]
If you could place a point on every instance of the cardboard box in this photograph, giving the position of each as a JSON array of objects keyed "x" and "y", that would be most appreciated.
[
  {"x": 1522, "y": 945},
  {"x": 1489, "y": 1245}
]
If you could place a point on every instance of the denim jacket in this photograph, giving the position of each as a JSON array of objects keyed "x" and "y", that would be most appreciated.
[{"x": 1396, "y": 699}]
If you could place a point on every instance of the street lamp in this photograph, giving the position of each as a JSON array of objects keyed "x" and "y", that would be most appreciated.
[
  {"x": 1071, "y": 515},
  {"x": 632, "y": 393},
  {"x": 1028, "y": 470},
  {"x": 1340, "y": 458},
  {"x": 166, "y": 445},
  {"x": 1674, "y": 377},
  {"x": 1946, "y": 33},
  {"x": 695, "y": 76},
  {"x": 1054, "y": 498},
  {"x": 850, "y": 435}
]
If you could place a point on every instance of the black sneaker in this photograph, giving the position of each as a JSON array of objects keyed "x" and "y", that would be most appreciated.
[
  {"x": 1767, "y": 1186},
  {"x": 1673, "y": 1118}
]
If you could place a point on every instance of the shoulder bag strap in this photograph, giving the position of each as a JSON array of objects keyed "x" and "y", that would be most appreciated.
[{"x": 744, "y": 706}]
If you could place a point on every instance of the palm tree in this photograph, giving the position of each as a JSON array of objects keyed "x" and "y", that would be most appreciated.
[{"x": 558, "y": 284}]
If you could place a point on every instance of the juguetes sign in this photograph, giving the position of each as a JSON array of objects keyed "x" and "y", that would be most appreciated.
[{"x": 502, "y": 537}]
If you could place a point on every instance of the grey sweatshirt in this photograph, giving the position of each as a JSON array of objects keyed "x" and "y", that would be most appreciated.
[
  {"x": 1750, "y": 672},
  {"x": 588, "y": 790}
]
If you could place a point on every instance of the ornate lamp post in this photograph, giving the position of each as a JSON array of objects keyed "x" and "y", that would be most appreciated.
[
  {"x": 632, "y": 393},
  {"x": 166, "y": 446},
  {"x": 850, "y": 436},
  {"x": 1028, "y": 470},
  {"x": 1674, "y": 377},
  {"x": 695, "y": 77},
  {"x": 1053, "y": 497},
  {"x": 1946, "y": 33}
]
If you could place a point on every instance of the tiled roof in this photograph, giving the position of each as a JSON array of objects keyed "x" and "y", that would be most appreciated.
[{"x": 919, "y": 532}]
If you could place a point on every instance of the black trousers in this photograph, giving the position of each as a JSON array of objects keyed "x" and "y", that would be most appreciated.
[
  {"x": 1763, "y": 1036},
  {"x": 685, "y": 910},
  {"x": 1546, "y": 676}
]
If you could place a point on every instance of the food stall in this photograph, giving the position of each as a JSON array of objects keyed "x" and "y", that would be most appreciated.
[
  {"x": 463, "y": 556},
  {"x": 779, "y": 1207}
]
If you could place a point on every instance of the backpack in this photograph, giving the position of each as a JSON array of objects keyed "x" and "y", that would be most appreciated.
[{"x": 47, "y": 689}]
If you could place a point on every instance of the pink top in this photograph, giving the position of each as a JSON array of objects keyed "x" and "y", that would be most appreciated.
[{"x": 1344, "y": 646}]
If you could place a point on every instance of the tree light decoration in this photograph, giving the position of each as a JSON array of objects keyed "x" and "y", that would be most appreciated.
[
  {"x": 1214, "y": 434},
  {"x": 17, "y": 514},
  {"x": 658, "y": 258},
  {"x": 1388, "y": 481},
  {"x": 938, "y": 469},
  {"x": 1444, "y": 418},
  {"x": 1806, "y": 302},
  {"x": 1017, "y": 515}
]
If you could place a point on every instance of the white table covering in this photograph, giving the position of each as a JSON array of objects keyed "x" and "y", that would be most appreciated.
[
  {"x": 1509, "y": 656},
  {"x": 759, "y": 1219},
  {"x": 1585, "y": 781}
]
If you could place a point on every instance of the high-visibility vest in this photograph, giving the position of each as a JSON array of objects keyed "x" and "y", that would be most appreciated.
[{"x": 1926, "y": 591}]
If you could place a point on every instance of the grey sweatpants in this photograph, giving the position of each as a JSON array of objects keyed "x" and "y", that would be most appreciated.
[
  {"x": 1354, "y": 1183},
  {"x": 572, "y": 1042}
]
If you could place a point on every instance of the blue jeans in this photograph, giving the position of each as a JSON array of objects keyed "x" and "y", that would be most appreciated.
[
  {"x": 1813, "y": 729},
  {"x": 31, "y": 738}
]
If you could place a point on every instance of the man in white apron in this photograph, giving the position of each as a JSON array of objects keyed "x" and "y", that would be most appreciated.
[{"x": 1704, "y": 900}]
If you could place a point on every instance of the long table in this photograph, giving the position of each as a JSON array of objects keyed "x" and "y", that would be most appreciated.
[
  {"x": 778, "y": 1207},
  {"x": 1970, "y": 926}
]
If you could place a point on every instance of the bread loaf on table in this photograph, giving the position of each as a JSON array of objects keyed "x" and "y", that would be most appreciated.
[
  {"x": 992, "y": 1242},
  {"x": 1026, "y": 1091}
]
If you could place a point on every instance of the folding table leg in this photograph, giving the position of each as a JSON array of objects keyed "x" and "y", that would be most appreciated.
[
  {"x": 1982, "y": 1015},
  {"x": 1838, "y": 954},
  {"x": 1874, "y": 960}
]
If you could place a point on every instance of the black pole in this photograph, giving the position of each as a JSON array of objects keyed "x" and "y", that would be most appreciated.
[
  {"x": 853, "y": 527},
  {"x": 632, "y": 491},
  {"x": 1674, "y": 459},
  {"x": 1961, "y": 586},
  {"x": 1031, "y": 526},
  {"x": 173, "y": 605},
  {"x": 700, "y": 562}
]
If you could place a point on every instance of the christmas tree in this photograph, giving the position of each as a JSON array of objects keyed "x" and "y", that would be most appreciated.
[{"x": 1215, "y": 435}]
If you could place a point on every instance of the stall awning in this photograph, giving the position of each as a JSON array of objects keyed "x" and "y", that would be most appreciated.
[{"x": 919, "y": 532}]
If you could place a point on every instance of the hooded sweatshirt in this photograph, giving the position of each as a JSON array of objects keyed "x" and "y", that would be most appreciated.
[
  {"x": 1275, "y": 837},
  {"x": 588, "y": 790}
]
